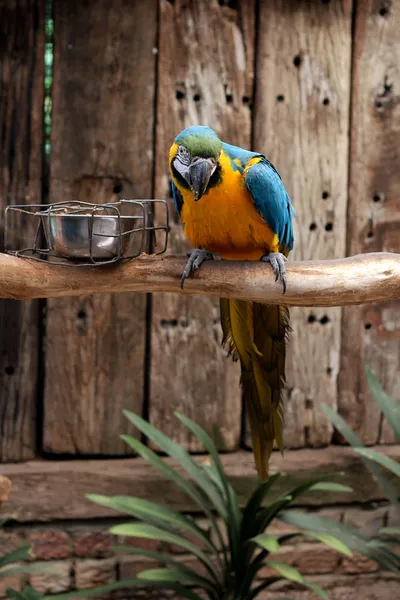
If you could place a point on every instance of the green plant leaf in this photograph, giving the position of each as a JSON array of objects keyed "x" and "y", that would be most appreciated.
[
  {"x": 153, "y": 513},
  {"x": 266, "y": 541},
  {"x": 255, "y": 501},
  {"x": 213, "y": 476},
  {"x": 178, "y": 575},
  {"x": 390, "y": 409},
  {"x": 329, "y": 486},
  {"x": 182, "y": 457},
  {"x": 316, "y": 589},
  {"x": 349, "y": 536},
  {"x": 6, "y": 571},
  {"x": 164, "y": 468},
  {"x": 381, "y": 459},
  {"x": 166, "y": 559},
  {"x": 389, "y": 531},
  {"x": 292, "y": 574},
  {"x": 28, "y": 593},
  {"x": 355, "y": 441},
  {"x": 235, "y": 514},
  {"x": 140, "y": 530},
  {"x": 329, "y": 540},
  {"x": 23, "y": 553},
  {"x": 266, "y": 515},
  {"x": 285, "y": 570}
]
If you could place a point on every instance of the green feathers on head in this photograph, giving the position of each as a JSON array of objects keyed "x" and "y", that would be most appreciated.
[{"x": 200, "y": 141}]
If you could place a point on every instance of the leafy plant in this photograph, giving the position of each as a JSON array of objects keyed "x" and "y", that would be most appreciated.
[
  {"x": 9, "y": 561},
  {"x": 383, "y": 468},
  {"x": 231, "y": 559}
]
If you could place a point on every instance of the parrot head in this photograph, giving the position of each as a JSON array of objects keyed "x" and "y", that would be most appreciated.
[{"x": 194, "y": 158}]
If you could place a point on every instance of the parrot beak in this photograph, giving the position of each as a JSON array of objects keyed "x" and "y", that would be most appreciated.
[{"x": 200, "y": 172}]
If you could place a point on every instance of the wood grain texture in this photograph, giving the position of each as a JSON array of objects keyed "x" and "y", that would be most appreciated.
[
  {"x": 39, "y": 491},
  {"x": 102, "y": 140},
  {"x": 372, "y": 334},
  {"x": 21, "y": 116},
  {"x": 205, "y": 76},
  {"x": 373, "y": 277},
  {"x": 301, "y": 124}
]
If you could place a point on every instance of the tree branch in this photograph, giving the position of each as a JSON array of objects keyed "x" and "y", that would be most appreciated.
[{"x": 356, "y": 280}]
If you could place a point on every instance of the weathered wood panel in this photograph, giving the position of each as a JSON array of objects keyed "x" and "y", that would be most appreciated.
[
  {"x": 372, "y": 334},
  {"x": 103, "y": 96},
  {"x": 205, "y": 76},
  {"x": 39, "y": 491},
  {"x": 301, "y": 124},
  {"x": 21, "y": 116}
]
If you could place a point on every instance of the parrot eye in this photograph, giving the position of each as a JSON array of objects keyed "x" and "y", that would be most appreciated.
[{"x": 184, "y": 154}]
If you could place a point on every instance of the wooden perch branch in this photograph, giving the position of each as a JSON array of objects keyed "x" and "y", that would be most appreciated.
[{"x": 355, "y": 280}]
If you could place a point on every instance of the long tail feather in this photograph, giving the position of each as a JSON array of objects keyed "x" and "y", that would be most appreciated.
[{"x": 256, "y": 334}]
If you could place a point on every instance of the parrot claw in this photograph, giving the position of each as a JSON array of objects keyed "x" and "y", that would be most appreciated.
[
  {"x": 277, "y": 261},
  {"x": 196, "y": 257}
]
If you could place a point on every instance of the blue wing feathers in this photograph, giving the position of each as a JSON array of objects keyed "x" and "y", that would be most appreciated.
[
  {"x": 268, "y": 193},
  {"x": 178, "y": 200}
]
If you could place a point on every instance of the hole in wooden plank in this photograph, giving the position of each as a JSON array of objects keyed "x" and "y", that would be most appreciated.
[
  {"x": 245, "y": 99},
  {"x": 81, "y": 314},
  {"x": 383, "y": 11},
  {"x": 313, "y": 226},
  {"x": 329, "y": 371},
  {"x": 229, "y": 3},
  {"x": 312, "y": 318},
  {"x": 367, "y": 325},
  {"x": 325, "y": 195},
  {"x": 329, "y": 227},
  {"x": 229, "y": 98},
  {"x": 180, "y": 95},
  {"x": 309, "y": 403},
  {"x": 196, "y": 97},
  {"x": 325, "y": 101},
  {"x": 117, "y": 189},
  {"x": 9, "y": 370},
  {"x": 378, "y": 104},
  {"x": 325, "y": 1},
  {"x": 324, "y": 320},
  {"x": 377, "y": 197},
  {"x": 169, "y": 323},
  {"x": 297, "y": 60},
  {"x": 280, "y": 98},
  {"x": 370, "y": 234}
]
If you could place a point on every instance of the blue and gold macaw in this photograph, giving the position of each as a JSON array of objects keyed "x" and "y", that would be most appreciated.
[{"x": 232, "y": 202}]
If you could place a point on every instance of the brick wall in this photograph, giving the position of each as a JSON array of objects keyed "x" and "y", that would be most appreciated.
[{"x": 83, "y": 556}]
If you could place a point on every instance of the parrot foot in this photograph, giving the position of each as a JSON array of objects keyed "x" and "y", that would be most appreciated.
[
  {"x": 196, "y": 257},
  {"x": 277, "y": 261}
]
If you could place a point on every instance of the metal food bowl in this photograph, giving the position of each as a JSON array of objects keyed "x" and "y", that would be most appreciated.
[
  {"x": 94, "y": 236},
  {"x": 84, "y": 234}
]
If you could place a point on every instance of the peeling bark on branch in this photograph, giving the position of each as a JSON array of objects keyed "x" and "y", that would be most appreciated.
[{"x": 359, "y": 279}]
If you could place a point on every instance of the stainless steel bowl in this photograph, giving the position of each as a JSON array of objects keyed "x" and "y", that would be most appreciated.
[{"x": 68, "y": 235}]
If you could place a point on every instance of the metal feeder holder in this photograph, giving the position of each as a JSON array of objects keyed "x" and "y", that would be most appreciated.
[{"x": 88, "y": 235}]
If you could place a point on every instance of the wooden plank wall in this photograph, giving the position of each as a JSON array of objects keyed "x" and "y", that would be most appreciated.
[
  {"x": 127, "y": 78},
  {"x": 301, "y": 118},
  {"x": 198, "y": 83},
  {"x": 102, "y": 149},
  {"x": 21, "y": 143},
  {"x": 371, "y": 334}
]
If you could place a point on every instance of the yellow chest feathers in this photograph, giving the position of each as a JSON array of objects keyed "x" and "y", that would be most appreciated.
[{"x": 225, "y": 220}]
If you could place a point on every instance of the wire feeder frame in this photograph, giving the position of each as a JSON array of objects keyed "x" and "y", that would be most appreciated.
[{"x": 141, "y": 238}]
